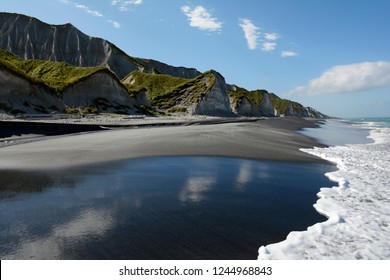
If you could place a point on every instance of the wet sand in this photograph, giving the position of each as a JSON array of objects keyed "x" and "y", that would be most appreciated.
[
  {"x": 265, "y": 139},
  {"x": 168, "y": 207}
]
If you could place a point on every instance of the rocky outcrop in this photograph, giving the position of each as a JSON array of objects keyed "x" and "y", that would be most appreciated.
[
  {"x": 154, "y": 66},
  {"x": 31, "y": 38},
  {"x": 255, "y": 103},
  {"x": 215, "y": 102},
  {"x": 297, "y": 110},
  {"x": 205, "y": 94},
  {"x": 266, "y": 106},
  {"x": 312, "y": 113},
  {"x": 99, "y": 90},
  {"x": 262, "y": 103},
  {"x": 248, "y": 108},
  {"x": 20, "y": 95}
]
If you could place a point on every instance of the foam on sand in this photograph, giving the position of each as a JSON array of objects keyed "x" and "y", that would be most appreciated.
[{"x": 358, "y": 208}]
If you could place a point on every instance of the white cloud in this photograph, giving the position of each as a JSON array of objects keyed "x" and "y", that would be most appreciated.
[
  {"x": 254, "y": 37},
  {"x": 83, "y": 7},
  {"x": 124, "y": 5},
  {"x": 88, "y": 10},
  {"x": 271, "y": 36},
  {"x": 201, "y": 18},
  {"x": 97, "y": 13},
  {"x": 251, "y": 33},
  {"x": 288, "y": 54},
  {"x": 268, "y": 46},
  {"x": 348, "y": 78},
  {"x": 114, "y": 23}
]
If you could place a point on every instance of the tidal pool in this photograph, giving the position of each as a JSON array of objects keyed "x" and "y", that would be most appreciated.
[{"x": 157, "y": 208}]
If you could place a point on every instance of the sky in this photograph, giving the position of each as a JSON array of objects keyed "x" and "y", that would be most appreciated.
[{"x": 331, "y": 55}]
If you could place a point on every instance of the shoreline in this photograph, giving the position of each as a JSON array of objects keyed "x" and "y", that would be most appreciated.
[
  {"x": 262, "y": 139},
  {"x": 38, "y": 165},
  {"x": 356, "y": 227},
  {"x": 14, "y": 131}
]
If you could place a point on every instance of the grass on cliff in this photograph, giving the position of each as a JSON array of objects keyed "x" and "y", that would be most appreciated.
[
  {"x": 282, "y": 104},
  {"x": 165, "y": 91},
  {"x": 279, "y": 103},
  {"x": 56, "y": 75},
  {"x": 155, "y": 84},
  {"x": 254, "y": 96}
]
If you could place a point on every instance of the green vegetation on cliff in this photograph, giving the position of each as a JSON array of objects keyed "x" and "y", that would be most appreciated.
[
  {"x": 155, "y": 85},
  {"x": 169, "y": 92},
  {"x": 56, "y": 75},
  {"x": 254, "y": 96},
  {"x": 282, "y": 104},
  {"x": 278, "y": 103}
]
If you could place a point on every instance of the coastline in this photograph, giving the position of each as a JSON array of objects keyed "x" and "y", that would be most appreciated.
[
  {"x": 356, "y": 207},
  {"x": 263, "y": 139},
  {"x": 171, "y": 192}
]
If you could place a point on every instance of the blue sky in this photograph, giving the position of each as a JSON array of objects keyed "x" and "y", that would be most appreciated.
[{"x": 333, "y": 55}]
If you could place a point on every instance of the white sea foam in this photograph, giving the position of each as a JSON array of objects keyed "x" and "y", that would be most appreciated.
[{"x": 358, "y": 208}]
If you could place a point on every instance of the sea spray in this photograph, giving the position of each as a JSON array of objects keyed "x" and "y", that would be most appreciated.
[{"x": 358, "y": 208}]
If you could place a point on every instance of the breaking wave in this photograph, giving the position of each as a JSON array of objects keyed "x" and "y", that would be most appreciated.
[{"x": 358, "y": 207}]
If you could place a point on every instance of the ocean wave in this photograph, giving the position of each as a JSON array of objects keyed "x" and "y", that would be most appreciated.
[{"x": 358, "y": 208}]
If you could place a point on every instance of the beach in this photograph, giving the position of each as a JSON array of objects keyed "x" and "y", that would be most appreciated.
[
  {"x": 357, "y": 206},
  {"x": 266, "y": 139},
  {"x": 201, "y": 188}
]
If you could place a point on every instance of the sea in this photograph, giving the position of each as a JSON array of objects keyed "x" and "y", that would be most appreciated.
[{"x": 357, "y": 206}]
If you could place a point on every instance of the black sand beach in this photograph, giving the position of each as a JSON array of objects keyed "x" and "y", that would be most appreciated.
[
  {"x": 266, "y": 139},
  {"x": 208, "y": 189}
]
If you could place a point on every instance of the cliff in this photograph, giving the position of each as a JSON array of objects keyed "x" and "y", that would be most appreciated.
[
  {"x": 38, "y": 86},
  {"x": 250, "y": 103},
  {"x": 215, "y": 100},
  {"x": 263, "y": 103},
  {"x": 30, "y": 38},
  {"x": 203, "y": 95},
  {"x": 60, "y": 68},
  {"x": 20, "y": 95}
]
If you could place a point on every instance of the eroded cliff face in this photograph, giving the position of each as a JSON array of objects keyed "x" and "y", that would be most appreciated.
[
  {"x": 163, "y": 68},
  {"x": 101, "y": 91},
  {"x": 31, "y": 38},
  {"x": 262, "y": 103},
  {"x": 250, "y": 109},
  {"x": 215, "y": 102},
  {"x": 297, "y": 110},
  {"x": 19, "y": 95},
  {"x": 312, "y": 113},
  {"x": 266, "y": 106}
]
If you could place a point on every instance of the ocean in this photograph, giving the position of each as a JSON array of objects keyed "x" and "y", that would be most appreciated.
[{"x": 357, "y": 206}]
